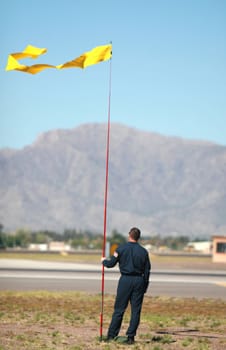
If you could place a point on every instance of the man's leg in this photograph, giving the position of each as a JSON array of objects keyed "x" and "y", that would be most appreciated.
[
  {"x": 121, "y": 302},
  {"x": 136, "y": 301}
]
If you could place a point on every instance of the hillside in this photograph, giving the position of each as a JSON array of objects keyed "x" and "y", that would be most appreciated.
[{"x": 162, "y": 184}]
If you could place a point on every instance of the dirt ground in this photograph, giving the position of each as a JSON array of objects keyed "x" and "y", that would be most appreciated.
[
  {"x": 70, "y": 321},
  {"x": 62, "y": 337}
]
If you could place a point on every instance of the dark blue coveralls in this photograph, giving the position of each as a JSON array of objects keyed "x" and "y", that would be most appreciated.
[{"x": 135, "y": 266}]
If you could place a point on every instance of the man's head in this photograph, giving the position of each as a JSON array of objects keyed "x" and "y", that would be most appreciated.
[{"x": 134, "y": 233}]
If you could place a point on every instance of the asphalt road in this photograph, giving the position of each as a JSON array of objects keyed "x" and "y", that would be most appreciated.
[{"x": 23, "y": 275}]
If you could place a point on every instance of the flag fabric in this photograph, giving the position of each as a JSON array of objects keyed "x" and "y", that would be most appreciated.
[
  {"x": 13, "y": 64},
  {"x": 96, "y": 55},
  {"x": 29, "y": 52}
]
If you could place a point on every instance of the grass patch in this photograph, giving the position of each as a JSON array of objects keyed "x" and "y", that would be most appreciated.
[
  {"x": 166, "y": 339},
  {"x": 70, "y": 320},
  {"x": 187, "y": 341},
  {"x": 54, "y": 257}
]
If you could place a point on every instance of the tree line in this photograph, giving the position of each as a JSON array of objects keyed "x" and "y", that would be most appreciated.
[{"x": 22, "y": 238}]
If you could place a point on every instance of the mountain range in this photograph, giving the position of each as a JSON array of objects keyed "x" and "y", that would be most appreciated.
[{"x": 164, "y": 185}]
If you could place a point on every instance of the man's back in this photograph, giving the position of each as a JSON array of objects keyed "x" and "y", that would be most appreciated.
[{"x": 132, "y": 259}]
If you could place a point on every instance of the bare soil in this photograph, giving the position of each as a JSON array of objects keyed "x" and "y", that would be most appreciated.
[{"x": 57, "y": 321}]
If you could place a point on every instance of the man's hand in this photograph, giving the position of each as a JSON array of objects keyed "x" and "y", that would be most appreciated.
[{"x": 103, "y": 258}]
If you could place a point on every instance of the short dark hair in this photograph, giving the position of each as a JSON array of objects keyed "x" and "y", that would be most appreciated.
[{"x": 134, "y": 233}]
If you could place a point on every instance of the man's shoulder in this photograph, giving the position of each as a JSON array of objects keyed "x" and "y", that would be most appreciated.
[
  {"x": 122, "y": 246},
  {"x": 144, "y": 250}
]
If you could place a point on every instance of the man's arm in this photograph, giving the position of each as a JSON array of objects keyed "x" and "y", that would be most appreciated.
[
  {"x": 147, "y": 271},
  {"x": 110, "y": 262}
]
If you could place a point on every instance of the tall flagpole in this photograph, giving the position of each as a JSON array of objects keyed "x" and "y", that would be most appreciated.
[{"x": 105, "y": 202}]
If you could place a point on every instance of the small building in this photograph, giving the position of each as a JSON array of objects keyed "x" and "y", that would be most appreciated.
[
  {"x": 204, "y": 247},
  {"x": 56, "y": 246},
  {"x": 219, "y": 249},
  {"x": 43, "y": 247}
]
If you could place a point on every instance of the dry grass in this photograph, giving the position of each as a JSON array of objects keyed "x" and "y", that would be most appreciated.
[
  {"x": 56, "y": 321},
  {"x": 54, "y": 257}
]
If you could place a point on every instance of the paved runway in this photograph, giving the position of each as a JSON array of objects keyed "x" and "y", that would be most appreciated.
[{"x": 33, "y": 275}]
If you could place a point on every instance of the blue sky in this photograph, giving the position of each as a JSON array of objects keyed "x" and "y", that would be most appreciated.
[{"x": 168, "y": 67}]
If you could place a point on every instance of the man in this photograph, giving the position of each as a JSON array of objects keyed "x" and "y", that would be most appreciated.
[{"x": 134, "y": 265}]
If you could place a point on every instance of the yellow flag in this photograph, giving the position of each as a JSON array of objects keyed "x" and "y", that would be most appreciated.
[
  {"x": 96, "y": 55},
  {"x": 29, "y": 52},
  {"x": 13, "y": 64}
]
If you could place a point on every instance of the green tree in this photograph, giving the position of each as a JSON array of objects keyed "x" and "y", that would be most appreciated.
[
  {"x": 22, "y": 238},
  {"x": 40, "y": 237},
  {"x": 11, "y": 241},
  {"x": 117, "y": 238},
  {"x": 3, "y": 240}
]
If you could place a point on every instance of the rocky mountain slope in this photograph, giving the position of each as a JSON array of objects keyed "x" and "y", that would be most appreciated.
[{"x": 162, "y": 184}]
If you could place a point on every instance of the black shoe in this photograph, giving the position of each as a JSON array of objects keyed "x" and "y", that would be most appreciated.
[{"x": 130, "y": 340}]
